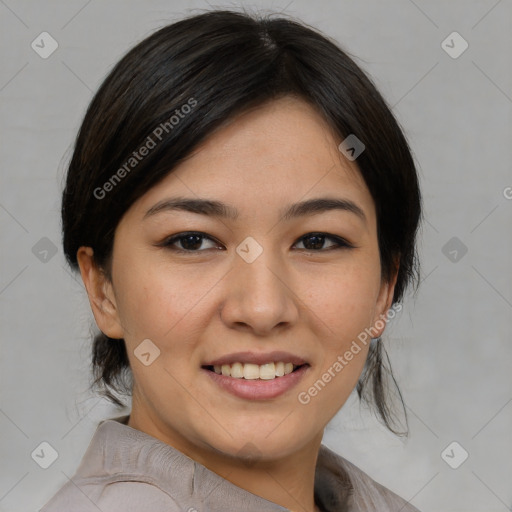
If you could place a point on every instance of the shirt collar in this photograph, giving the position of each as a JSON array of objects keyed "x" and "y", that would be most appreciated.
[{"x": 118, "y": 448}]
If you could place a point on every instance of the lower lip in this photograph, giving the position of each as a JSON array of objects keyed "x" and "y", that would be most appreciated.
[{"x": 258, "y": 389}]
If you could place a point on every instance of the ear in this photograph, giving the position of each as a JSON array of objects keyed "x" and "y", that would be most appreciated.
[
  {"x": 384, "y": 301},
  {"x": 101, "y": 294}
]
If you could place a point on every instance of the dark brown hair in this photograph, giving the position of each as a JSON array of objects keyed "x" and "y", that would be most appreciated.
[{"x": 227, "y": 62}]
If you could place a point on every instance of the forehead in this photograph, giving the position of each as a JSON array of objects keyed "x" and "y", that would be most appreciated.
[{"x": 276, "y": 154}]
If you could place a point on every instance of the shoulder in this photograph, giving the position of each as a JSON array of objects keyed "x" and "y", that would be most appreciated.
[
  {"x": 371, "y": 495},
  {"x": 117, "y": 473},
  {"x": 103, "y": 495},
  {"x": 366, "y": 493}
]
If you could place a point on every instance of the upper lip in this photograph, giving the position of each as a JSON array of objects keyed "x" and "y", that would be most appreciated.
[{"x": 257, "y": 358}]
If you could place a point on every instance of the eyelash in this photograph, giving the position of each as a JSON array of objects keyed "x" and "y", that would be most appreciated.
[{"x": 168, "y": 242}]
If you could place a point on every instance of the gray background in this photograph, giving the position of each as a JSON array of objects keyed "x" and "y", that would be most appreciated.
[{"x": 451, "y": 346}]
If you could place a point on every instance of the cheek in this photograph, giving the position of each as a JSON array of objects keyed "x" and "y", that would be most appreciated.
[
  {"x": 345, "y": 305},
  {"x": 159, "y": 302},
  {"x": 343, "y": 300},
  {"x": 343, "y": 308}
]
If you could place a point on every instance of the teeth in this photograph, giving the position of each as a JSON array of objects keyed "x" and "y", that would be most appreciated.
[
  {"x": 267, "y": 371},
  {"x": 251, "y": 371},
  {"x": 237, "y": 371}
]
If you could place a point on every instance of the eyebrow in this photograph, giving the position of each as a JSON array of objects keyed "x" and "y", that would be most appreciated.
[{"x": 219, "y": 209}]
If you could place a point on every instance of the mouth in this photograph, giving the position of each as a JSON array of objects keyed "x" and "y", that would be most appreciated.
[
  {"x": 251, "y": 371},
  {"x": 255, "y": 382},
  {"x": 256, "y": 375}
]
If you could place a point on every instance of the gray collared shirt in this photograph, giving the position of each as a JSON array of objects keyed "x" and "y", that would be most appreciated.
[{"x": 127, "y": 470}]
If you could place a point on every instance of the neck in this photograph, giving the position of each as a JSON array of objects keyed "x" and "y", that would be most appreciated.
[{"x": 288, "y": 481}]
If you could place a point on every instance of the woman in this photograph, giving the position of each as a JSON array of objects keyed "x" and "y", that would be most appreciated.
[{"x": 242, "y": 207}]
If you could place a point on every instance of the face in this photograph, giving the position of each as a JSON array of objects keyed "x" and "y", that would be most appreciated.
[{"x": 257, "y": 287}]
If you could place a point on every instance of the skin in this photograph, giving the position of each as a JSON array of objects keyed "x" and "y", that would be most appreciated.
[{"x": 201, "y": 305}]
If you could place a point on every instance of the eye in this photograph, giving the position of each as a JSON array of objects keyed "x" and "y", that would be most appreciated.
[
  {"x": 316, "y": 240},
  {"x": 192, "y": 241},
  {"x": 189, "y": 241}
]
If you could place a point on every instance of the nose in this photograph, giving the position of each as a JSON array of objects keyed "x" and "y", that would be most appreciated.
[{"x": 259, "y": 296}]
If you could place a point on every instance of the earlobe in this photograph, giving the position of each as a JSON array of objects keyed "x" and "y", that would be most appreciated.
[{"x": 100, "y": 293}]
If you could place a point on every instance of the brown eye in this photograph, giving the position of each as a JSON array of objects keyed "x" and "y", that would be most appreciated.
[
  {"x": 315, "y": 242},
  {"x": 190, "y": 242}
]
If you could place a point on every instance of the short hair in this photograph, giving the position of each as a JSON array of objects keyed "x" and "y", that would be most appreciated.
[{"x": 221, "y": 63}]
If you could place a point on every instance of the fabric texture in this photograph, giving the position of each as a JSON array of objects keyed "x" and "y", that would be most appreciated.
[{"x": 127, "y": 470}]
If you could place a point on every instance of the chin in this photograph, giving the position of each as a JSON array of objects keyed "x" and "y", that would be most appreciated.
[{"x": 256, "y": 444}]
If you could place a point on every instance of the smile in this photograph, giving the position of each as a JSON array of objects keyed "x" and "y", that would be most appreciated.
[
  {"x": 250, "y": 371},
  {"x": 251, "y": 385}
]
